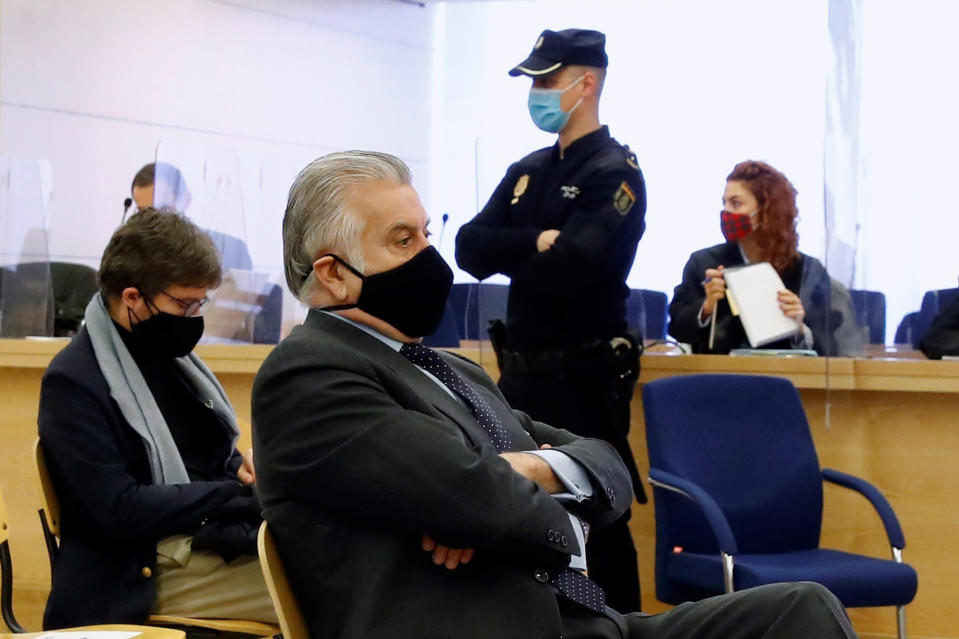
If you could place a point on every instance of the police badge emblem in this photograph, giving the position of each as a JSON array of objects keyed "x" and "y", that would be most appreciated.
[
  {"x": 520, "y": 187},
  {"x": 623, "y": 199}
]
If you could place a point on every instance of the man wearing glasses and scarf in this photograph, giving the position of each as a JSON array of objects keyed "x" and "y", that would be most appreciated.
[{"x": 158, "y": 512}]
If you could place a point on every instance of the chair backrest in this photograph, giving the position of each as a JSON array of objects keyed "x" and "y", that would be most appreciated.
[
  {"x": 447, "y": 334},
  {"x": 905, "y": 329},
  {"x": 745, "y": 440},
  {"x": 871, "y": 312},
  {"x": 475, "y": 304},
  {"x": 4, "y": 524},
  {"x": 48, "y": 496},
  {"x": 284, "y": 601},
  {"x": 646, "y": 311},
  {"x": 267, "y": 323},
  {"x": 932, "y": 303},
  {"x": 6, "y": 572},
  {"x": 50, "y": 505},
  {"x": 73, "y": 287}
]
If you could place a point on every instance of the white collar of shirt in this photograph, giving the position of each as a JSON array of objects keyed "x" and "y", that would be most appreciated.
[{"x": 389, "y": 341}]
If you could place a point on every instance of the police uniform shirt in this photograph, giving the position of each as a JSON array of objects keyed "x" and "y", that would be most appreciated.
[{"x": 593, "y": 193}]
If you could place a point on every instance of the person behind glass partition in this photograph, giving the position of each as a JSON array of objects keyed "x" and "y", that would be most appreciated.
[
  {"x": 758, "y": 221},
  {"x": 161, "y": 185}
]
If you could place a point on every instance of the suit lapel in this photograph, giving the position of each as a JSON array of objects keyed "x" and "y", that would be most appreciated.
[{"x": 383, "y": 355}]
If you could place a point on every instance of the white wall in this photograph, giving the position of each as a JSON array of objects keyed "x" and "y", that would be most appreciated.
[
  {"x": 910, "y": 133},
  {"x": 94, "y": 86}
]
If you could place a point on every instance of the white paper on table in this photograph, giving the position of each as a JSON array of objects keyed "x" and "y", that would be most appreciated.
[
  {"x": 88, "y": 634},
  {"x": 756, "y": 289}
]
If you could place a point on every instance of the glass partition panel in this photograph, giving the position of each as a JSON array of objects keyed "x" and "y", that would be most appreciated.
[
  {"x": 205, "y": 183},
  {"x": 890, "y": 168},
  {"x": 26, "y": 291}
]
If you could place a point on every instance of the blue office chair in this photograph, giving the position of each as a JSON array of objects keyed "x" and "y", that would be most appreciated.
[
  {"x": 871, "y": 312},
  {"x": 475, "y": 304},
  {"x": 267, "y": 323},
  {"x": 646, "y": 312},
  {"x": 905, "y": 329},
  {"x": 932, "y": 303},
  {"x": 447, "y": 334},
  {"x": 739, "y": 496}
]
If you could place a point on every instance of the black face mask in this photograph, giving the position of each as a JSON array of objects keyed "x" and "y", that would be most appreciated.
[
  {"x": 411, "y": 297},
  {"x": 167, "y": 335}
]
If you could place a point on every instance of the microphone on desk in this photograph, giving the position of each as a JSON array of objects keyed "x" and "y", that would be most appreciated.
[
  {"x": 126, "y": 209},
  {"x": 446, "y": 218}
]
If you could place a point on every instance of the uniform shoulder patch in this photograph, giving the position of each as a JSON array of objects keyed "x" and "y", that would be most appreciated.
[{"x": 624, "y": 198}]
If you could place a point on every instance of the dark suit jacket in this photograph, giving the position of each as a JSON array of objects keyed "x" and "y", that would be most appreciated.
[
  {"x": 807, "y": 278},
  {"x": 112, "y": 515},
  {"x": 358, "y": 454}
]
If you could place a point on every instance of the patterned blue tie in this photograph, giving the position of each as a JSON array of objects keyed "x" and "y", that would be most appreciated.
[
  {"x": 430, "y": 361},
  {"x": 577, "y": 587}
]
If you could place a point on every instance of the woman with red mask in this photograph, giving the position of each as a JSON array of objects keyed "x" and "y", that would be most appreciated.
[{"x": 758, "y": 221}]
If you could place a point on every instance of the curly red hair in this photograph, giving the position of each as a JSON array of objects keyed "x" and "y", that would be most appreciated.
[{"x": 776, "y": 236}]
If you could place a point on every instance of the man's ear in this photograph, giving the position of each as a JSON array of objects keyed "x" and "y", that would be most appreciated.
[
  {"x": 330, "y": 276},
  {"x": 589, "y": 84},
  {"x": 130, "y": 296}
]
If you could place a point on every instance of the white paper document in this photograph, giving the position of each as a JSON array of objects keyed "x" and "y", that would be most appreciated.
[
  {"x": 755, "y": 289},
  {"x": 88, "y": 634}
]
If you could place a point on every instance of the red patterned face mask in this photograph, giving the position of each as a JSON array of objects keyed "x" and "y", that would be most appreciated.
[{"x": 736, "y": 226}]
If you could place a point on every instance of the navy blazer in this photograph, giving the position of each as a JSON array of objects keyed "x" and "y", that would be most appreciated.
[
  {"x": 112, "y": 515},
  {"x": 358, "y": 454}
]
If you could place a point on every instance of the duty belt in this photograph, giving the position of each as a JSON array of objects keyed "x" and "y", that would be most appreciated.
[
  {"x": 580, "y": 361},
  {"x": 543, "y": 363}
]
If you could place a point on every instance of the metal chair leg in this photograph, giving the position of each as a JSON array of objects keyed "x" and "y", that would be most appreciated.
[
  {"x": 900, "y": 610},
  {"x": 728, "y": 566}
]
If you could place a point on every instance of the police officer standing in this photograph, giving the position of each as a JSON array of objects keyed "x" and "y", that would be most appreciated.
[{"x": 563, "y": 225}]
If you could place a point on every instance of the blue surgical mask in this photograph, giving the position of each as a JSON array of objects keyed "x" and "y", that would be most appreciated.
[{"x": 545, "y": 110}]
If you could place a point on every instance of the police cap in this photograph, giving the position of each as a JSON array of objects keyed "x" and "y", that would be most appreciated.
[{"x": 554, "y": 49}]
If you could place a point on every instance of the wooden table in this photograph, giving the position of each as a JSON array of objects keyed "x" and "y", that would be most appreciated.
[{"x": 894, "y": 422}]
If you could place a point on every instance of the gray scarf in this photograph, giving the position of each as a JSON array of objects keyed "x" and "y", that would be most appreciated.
[{"x": 136, "y": 402}]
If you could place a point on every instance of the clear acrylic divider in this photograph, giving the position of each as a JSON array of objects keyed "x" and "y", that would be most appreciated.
[
  {"x": 205, "y": 184},
  {"x": 26, "y": 290}
]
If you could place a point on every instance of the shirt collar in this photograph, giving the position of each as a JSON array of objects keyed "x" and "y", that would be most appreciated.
[
  {"x": 582, "y": 146},
  {"x": 389, "y": 341}
]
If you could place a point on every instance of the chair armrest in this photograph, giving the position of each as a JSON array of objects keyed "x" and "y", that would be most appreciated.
[
  {"x": 707, "y": 505},
  {"x": 870, "y": 492}
]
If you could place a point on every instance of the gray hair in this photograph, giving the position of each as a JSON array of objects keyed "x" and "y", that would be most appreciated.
[{"x": 318, "y": 215}]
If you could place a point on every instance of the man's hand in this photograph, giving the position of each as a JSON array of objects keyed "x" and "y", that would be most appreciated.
[
  {"x": 535, "y": 469},
  {"x": 444, "y": 555},
  {"x": 245, "y": 472},
  {"x": 545, "y": 240}
]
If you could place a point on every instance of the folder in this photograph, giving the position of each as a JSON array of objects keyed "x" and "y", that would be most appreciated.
[{"x": 755, "y": 289}]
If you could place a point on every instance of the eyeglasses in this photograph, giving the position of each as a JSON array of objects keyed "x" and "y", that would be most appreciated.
[{"x": 191, "y": 307}]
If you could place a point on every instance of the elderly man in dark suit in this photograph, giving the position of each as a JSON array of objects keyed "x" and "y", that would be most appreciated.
[{"x": 407, "y": 498}]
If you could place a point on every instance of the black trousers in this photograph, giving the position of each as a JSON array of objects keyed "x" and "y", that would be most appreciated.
[
  {"x": 799, "y": 610},
  {"x": 589, "y": 408}
]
